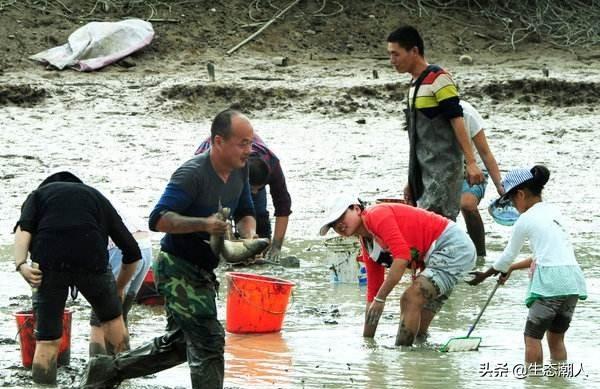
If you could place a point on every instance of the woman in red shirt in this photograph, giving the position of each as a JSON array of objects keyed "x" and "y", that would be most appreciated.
[{"x": 401, "y": 237}]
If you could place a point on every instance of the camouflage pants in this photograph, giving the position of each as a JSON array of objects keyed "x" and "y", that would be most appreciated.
[
  {"x": 190, "y": 294},
  {"x": 193, "y": 332}
]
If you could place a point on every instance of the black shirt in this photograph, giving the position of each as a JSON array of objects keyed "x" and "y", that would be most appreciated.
[{"x": 70, "y": 224}]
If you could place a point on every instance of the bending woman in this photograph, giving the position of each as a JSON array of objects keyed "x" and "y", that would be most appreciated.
[{"x": 400, "y": 237}]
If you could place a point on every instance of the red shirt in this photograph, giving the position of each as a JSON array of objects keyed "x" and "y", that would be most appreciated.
[{"x": 398, "y": 229}]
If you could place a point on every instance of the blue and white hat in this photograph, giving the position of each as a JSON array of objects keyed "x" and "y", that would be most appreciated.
[{"x": 515, "y": 178}]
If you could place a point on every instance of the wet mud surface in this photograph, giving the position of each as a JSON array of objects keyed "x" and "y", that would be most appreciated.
[
  {"x": 552, "y": 92},
  {"x": 336, "y": 128},
  {"x": 21, "y": 95}
]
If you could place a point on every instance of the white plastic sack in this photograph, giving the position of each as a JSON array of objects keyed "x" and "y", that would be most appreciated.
[{"x": 98, "y": 44}]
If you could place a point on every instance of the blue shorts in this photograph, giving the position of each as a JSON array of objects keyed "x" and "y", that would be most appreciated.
[
  {"x": 115, "y": 257},
  {"x": 477, "y": 190}
]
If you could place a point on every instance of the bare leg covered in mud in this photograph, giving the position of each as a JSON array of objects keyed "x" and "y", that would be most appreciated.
[
  {"x": 475, "y": 228},
  {"x": 556, "y": 344},
  {"x": 414, "y": 319},
  {"x": 533, "y": 350},
  {"x": 116, "y": 336},
  {"x": 43, "y": 370},
  {"x": 98, "y": 340}
]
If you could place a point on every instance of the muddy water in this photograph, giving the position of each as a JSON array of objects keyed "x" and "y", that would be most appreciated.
[{"x": 118, "y": 133}]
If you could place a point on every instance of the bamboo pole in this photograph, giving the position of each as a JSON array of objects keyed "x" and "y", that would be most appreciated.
[{"x": 267, "y": 24}]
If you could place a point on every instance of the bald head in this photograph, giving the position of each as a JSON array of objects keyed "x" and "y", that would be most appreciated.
[
  {"x": 231, "y": 140},
  {"x": 224, "y": 122}
]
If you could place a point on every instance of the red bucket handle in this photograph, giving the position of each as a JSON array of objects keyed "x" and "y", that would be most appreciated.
[
  {"x": 241, "y": 292},
  {"x": 20, "y": 328}
]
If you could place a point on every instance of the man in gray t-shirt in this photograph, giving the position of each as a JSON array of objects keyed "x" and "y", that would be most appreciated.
[{"x": 185, "y": 266}]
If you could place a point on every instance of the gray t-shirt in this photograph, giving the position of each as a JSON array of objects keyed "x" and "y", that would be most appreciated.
[{"x": 195, "y": 189}]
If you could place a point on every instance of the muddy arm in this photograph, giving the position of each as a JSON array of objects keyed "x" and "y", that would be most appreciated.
[
  {"x": 174, "y": 223},
  {"x": 125, "y": 274},
  {"x": 21, "y": 248},
  {"x": 22, "y": 240},
  {"x": 474, "y": 174},
  {"x": 488, "y": 159},
  {"x": 375, "y": 307},
  {"x": 281, "y": 223}
]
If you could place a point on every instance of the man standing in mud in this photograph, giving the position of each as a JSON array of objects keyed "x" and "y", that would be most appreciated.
[
  {"x": 436, "y": 129},
  {"x": 185, "y": 266},
  {"x": 264, "y": 169}
]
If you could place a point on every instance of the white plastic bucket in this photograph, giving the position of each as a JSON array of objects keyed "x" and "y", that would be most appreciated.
[{"x": 341, "y": 260}]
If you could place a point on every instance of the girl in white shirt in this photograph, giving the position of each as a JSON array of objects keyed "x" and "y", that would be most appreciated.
[{"x": 557, "y": 282}]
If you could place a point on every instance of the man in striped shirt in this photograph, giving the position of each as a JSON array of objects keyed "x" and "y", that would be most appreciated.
[{"x": 437, "y": 134}]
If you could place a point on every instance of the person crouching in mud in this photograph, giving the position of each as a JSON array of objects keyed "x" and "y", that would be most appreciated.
[
  {"x": 400, "y": 237},
  {"x": 65, "y": 225}
]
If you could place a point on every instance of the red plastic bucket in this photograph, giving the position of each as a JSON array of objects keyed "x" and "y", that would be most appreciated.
[
  {"x": 25, "y": 327},
  {"x": 256, "y": 304},
  {"x": 148, "y": 294}
]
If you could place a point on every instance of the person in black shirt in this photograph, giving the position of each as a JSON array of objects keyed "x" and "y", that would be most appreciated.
[{"x": 65, "y": 225}]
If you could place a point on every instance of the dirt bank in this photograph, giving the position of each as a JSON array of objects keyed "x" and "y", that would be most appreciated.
[{"x": 189, "y": 33}]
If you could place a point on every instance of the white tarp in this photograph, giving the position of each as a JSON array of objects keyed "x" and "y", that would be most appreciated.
[{"x": 98, "y": 44}]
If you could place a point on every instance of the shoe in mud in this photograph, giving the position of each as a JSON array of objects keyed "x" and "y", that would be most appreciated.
[{"x": 100, "y": 373}]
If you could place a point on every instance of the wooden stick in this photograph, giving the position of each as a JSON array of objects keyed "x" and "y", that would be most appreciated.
[
  {"x": 267, "y": 24},
  {"x": 262, "y": 78},
  {"x": 154, "y": 20}
]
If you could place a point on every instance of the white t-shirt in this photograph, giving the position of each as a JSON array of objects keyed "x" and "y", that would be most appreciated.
[
  {"x": 474, "y": 123},
  {"x": 543, "y": 226}
]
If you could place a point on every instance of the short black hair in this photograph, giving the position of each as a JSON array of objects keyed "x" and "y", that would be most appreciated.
[
  {"x": 407, "y": 37},
  {"x": 221, "y": 124},
  {"x": 258, "y": 171},
  {"x": 64, "y": 176}
]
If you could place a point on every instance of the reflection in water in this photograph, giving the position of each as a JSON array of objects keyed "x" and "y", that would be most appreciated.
[{"x": 257, "y": 360}]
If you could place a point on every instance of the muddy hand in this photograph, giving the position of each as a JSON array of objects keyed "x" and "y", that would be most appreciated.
[
  {"x": 478, "y": 277},
  {"x": 500, "y": 189},
  {"x": 503, "y": 278},
  {"x": 274, "y": 250},
  {"x": 31, "y": 275},
  {"x": 474, "y": 174},
  {"x": 273, "y": 254},
  {"x": 215, "y": 226},
  {"x": 374, "y": 312}
]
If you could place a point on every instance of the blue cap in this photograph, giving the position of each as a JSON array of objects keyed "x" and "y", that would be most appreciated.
[{"x": 515, "y": 178}]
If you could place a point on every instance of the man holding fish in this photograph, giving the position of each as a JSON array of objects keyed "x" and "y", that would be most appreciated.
[{"x": 192, "y": 211}]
